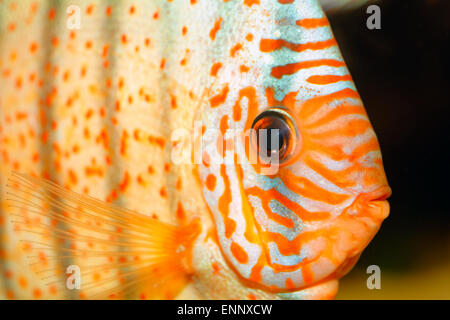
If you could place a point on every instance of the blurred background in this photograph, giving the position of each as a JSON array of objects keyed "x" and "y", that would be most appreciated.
[{"x": 402, "y": 73}]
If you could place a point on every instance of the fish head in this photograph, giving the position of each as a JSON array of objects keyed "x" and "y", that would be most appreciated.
[{"x": 290, "y": 165}]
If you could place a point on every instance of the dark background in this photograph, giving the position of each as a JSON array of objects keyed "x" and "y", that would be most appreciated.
[{"x": 402, "y": 73}]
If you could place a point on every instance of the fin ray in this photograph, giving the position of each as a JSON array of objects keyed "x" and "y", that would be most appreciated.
[{"x": 120, "y": 252}]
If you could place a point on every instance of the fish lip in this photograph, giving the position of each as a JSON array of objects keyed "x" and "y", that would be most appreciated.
[
  {"x": 380, "y": 194},
  {"x": 373, "y": 205},
  {"x": 375, "y": 201}
]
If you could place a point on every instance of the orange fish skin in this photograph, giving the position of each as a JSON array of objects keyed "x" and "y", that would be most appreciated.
[{"x": 94, "y": 109}]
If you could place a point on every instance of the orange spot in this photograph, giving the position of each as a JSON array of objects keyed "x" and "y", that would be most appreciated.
[
  {"x": 239, "y": 253},
  {"x": 123, "y": 143},
  {"x": 23, "y": 282},
  {"x": 44, "y": 137},
  {"x": 52, "y": 290},
  {"x": 10, "y": 295},
  {"x": 180, "y": 211},
  {"x": 125, "y": 182},
  {"x": 89, "y": 113},
  {"x": 33, "y": 47},
  {"x": 312, "y": 23},
  {"x": 224, "y": 204},
  {"x": 288, "y": 69},
  {"x": 76, "y": 148},
  {"x": 55, "y": 41},
  {"x": 89, "y": 9},
  {"x": 160, "y": 142},
  {"x": 37, "y": 293},
  {"x": 222, "y": 143},
  {"x": 220, "y": 98},
  {"x": 289, "y": 284},
  {"x": 270, "y": 45},
  {"x": 112, "y": 196},
  {"x": 73, "y": 177},
  {"x": 211, "y": 182},
  {"x": 216, "y": 27},
  {"x": 123, "y": 39},
  {"x": 140, "y": 180},
  {"x": 244, "y": 69},
  {"x": 237, "y": 111},
  {"x": 206, "y": 160},
  {"x": 235, "y": 49},
  {"x": 216, "y": 268},
  {"x": 19, "y": 83},
  {"x": 51, "y": 14},
  {"x": 178, "y": 184},
  {"x": 173, "y": 101},
  {"x": 328, "y": 79},
  {"x": 215, "y": 68},
  {"x": 251, "y": 2},
  {"x": 308, "y": 275}
]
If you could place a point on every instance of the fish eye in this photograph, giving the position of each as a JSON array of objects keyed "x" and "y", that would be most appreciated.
[{"x": 275, "y": 134}]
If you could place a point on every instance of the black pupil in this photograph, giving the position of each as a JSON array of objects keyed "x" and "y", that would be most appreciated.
[
  {"x": 270, "y": 130},
  {"x": 272, "y": 135}
]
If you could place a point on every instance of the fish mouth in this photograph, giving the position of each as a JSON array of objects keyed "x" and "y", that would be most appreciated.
[
  {"x": 373, "y": 203},
  {"x": 379, "y": 194},
  {"x": 377, "y": 202},
  {"x": 368, "y": 211}
]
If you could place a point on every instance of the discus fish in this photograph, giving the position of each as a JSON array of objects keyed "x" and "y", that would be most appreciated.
[{"x": 200, "y": 149}]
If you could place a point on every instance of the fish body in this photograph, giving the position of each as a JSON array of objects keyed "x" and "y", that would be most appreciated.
[{"x": 136, "y": 105}]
